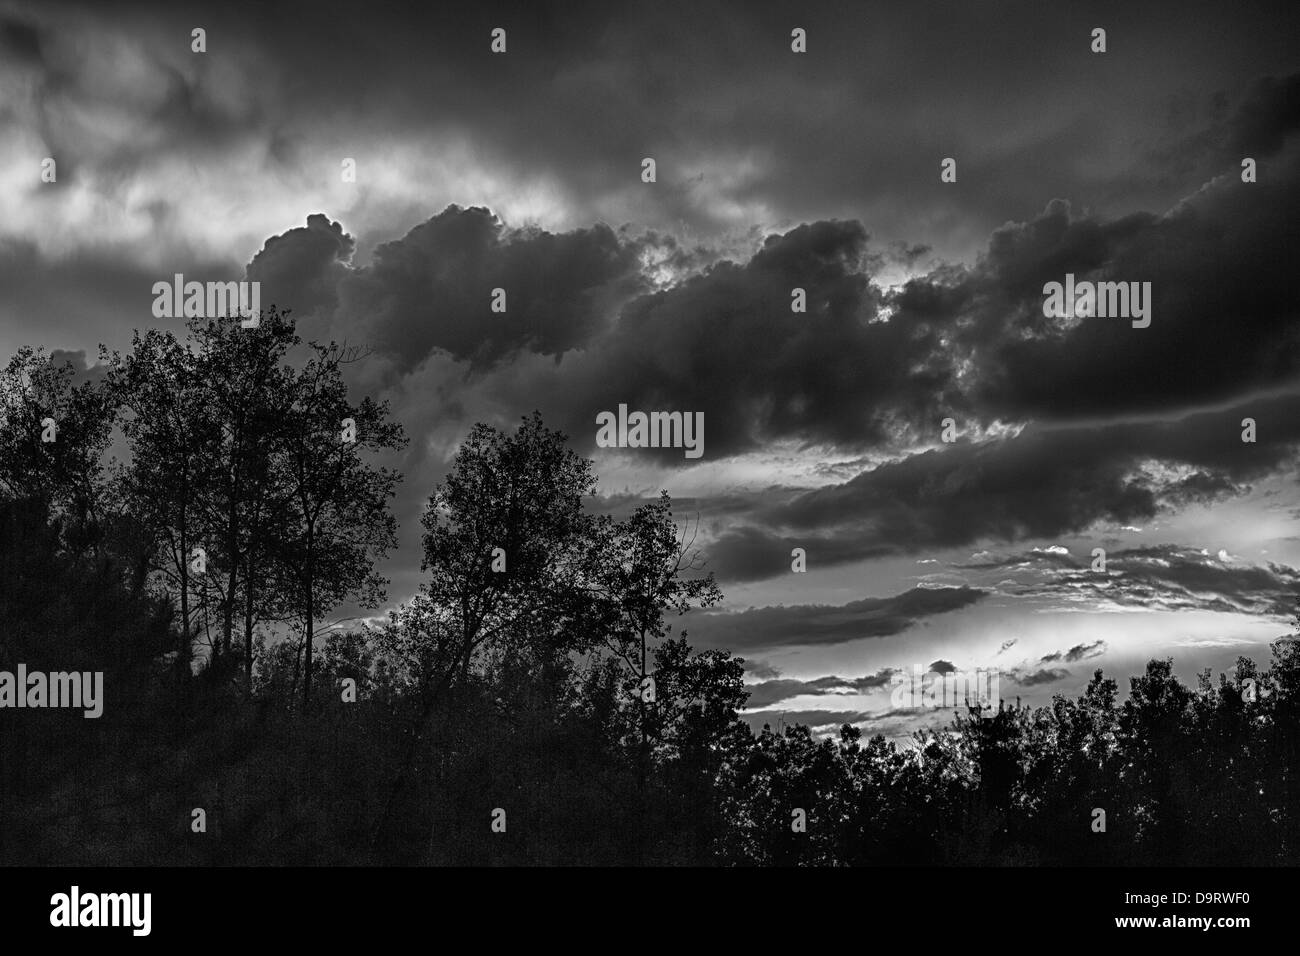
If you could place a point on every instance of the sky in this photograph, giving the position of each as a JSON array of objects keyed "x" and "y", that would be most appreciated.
[{"x": 774, "y": 170}]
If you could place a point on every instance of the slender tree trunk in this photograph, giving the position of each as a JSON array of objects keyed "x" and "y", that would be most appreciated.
[
  {"x": 640, "y": 697},
  {"x": 642, "y": 759},
  {"x": 232, "y": 552},
  {"x": 310, "y": 612},
  {"x": 297, "y": 672},
  {"x": 248, "y": 624},
  {"x": 183, "y": 657}
]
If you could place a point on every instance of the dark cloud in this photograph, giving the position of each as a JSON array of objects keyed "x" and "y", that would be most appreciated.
[
  {"x": 1038, "y": 677},
  {"x": 1043, "y": 483},
  {"x": 772, "y": 692},
  {"x": 1175, "y": 578},
  {"x": 971, "y": 342},
  {"x": 432, "y": 289},
  {"x": 943, "y": 667},
  {"x": 301, "y": 270},
  {"x": 737, "y": 121},
  {"x": 1077, "y": 653},
  {"x": 1270, "y": 114},
  {"x": 1166, "y": 577},
  {"x": 823, "y": 624},
  {"x": 1221, "y": 314},
  {"x": 750, "y": 553},
  {"x": 760, "y": 669},
  {"x": 20, "y": 40},
  {"x": 1082, "y": 652},
  {"x": 1204, "y": 136},
  {"x": 727, "y": 343}
]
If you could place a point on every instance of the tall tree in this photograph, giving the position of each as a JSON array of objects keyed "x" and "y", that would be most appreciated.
[
  {"x": 250, "y": 389},
  {"x": 650, "y": 569},
  {"x": 337, "y": 519},
  {"x": 171, "y": 428},
  {"x": 510, "y": 557},
  {"x": 507, "y": 545}
]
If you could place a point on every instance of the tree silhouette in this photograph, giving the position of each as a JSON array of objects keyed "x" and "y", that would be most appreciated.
[
  {"x": 171, "y": 428},
  {"x": 540, "y": 668},
  {"x": 247, "y": 388},
  {"x": 337, "y": 520}
]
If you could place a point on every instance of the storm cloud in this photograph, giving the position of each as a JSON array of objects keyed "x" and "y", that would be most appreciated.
[{"x": 819, "y": 624}]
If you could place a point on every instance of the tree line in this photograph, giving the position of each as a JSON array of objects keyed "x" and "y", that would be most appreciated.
[{"x": 187, "y": 521}]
